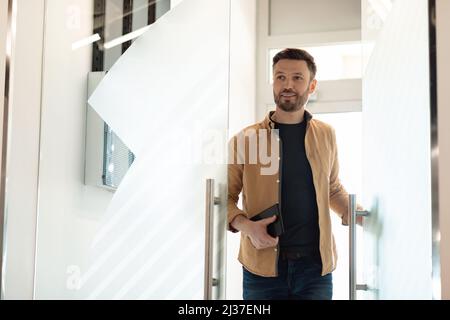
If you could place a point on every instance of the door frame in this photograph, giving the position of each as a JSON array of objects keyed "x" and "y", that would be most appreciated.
[
  {"x": 6, "y": 44},
  {"x": 440, "y": 50},
  {"x": 434, "y": 144}
]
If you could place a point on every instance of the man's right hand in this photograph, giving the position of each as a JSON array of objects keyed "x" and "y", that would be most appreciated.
[{"x": 256, "y": 231}]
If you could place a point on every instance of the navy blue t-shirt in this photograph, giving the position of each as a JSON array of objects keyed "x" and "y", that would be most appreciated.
[{"x": 298, "y": 195}]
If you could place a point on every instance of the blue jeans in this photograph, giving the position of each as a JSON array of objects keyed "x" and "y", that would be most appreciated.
[{"x": 297, "y": 280}]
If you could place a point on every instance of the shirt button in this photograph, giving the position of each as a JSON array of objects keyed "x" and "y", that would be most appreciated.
[
  {"x": 279, "y": 158},
  {"x": 278, "y": 181},
  {"x": 275, "y": 249}
]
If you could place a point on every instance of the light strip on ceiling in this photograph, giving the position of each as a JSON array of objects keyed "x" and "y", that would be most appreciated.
[
  {"x": 86, "y": 41},
  {"x": 125, "y": 38}
]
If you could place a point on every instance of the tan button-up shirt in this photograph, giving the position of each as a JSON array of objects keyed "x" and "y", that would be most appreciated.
[{"x": 260, "y": 189}]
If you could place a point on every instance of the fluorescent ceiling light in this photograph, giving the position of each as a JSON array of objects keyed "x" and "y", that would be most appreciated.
[
  {"x": 85, "y": 41},
  {"x": 125, "y": 38}
]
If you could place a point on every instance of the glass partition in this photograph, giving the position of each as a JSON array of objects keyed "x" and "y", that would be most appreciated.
[
  {"x": 132, "y": 87},
  {"x": 396, "y": 150}
]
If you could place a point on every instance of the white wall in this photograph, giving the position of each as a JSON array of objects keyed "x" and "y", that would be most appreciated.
[
  {"x": 305, "y": 16},
  {"x": 443, "y": 74},
  {"x": 242, "y": 108},
  {"x": 23, "y": 150},
  {"x": 174, "y": 3},
  {"x": 243, "y": 64}
]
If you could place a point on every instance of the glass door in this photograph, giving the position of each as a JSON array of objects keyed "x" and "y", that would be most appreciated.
[
  {"x": 132, "y": 150},
  {"x": 397, "y": 262}
]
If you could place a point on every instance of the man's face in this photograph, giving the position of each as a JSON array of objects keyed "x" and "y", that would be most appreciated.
[{"x": 291, "y": 84}]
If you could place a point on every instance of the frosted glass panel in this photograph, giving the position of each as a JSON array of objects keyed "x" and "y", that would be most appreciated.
[
  {"x": 396, "y": 150},
  {"x": 166, "y": 73},
  {"x": 166, "y": 99}
]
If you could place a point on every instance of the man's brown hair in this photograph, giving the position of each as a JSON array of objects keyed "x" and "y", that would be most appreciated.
[{"x": 297, "y": 54}]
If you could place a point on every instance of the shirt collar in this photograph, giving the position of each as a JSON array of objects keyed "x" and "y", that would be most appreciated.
[{"x": 269, "y": 123}]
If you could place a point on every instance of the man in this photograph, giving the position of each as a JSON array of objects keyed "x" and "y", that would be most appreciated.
[{"x": 298, "y": 263}]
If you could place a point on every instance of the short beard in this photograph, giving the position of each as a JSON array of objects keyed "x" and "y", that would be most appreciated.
[{"x": 291, "y": 106}]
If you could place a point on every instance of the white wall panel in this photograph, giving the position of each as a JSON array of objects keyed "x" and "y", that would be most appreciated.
[{"x": 304, "y": 16}]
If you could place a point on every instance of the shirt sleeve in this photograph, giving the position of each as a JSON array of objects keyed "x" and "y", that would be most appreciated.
[
  {"x": 235, "y": 174},
  {"x": 338, "y": 194}
]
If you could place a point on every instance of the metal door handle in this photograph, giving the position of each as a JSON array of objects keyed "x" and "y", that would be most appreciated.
[
  {"x": 353, "y": 213},
  {"x": 211, "y": 200}
]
